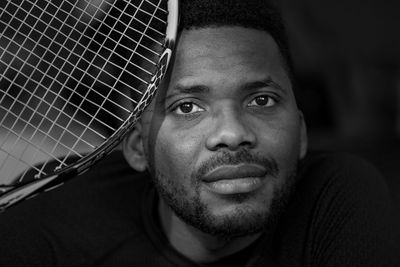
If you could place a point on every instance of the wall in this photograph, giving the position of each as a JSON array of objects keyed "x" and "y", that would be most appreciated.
[{"x": 347, "y": 58}]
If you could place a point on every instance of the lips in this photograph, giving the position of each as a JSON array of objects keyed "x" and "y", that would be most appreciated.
[
  {"x": 229, "y": 172},
  {"x": 235, "y": 179}
]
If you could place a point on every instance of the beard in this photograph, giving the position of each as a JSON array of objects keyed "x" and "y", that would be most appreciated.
[{"x": 243, "y": 219}]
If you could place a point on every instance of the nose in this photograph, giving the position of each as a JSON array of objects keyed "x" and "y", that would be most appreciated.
[{"x": 230, "y": 130}]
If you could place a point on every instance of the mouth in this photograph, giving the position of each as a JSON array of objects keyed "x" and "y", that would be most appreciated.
[{"x": 235, "y": 179}]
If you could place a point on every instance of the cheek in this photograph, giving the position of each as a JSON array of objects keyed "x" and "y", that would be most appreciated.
[
  {"x": 175, "y": 154},
  {"x": 283, "y": 142},
  {"x": 289, "y": 150}
]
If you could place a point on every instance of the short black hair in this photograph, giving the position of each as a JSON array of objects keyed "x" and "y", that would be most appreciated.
[{"x": 256, "y": 14}]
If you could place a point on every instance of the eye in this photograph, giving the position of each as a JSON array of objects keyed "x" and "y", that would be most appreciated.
[
  {"x": 262, "y": 101},
  {"x": 187, "y": 108}
]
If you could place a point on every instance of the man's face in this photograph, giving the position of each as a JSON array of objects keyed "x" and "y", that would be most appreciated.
[{"x": 223, "y": 140}]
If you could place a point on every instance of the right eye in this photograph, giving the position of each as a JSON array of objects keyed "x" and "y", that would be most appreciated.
[{"x": 187, "y": 108}]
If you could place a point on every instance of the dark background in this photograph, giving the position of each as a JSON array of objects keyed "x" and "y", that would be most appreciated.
[{"x": 347, "y": 58}]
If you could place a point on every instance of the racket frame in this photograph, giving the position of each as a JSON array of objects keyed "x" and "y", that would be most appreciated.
[{"x": 16, "y": 193}]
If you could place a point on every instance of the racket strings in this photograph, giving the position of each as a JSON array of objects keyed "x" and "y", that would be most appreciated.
[
  {"x": 114, "y": 65},
  {"x": 33, "y": 122},
  {"x": 19, "y": 118},
  {"x": 47, "y": 112},
  {"x": 118, "y": 78},
  {"x": 137, "y": 53}
]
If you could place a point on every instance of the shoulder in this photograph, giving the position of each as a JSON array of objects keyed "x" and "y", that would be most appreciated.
[
  {"x": 103, "y": 185},
  {"x": 344, "y": 212},
  {"x": 331, "y": 163},
  {"x": 83, "y": 218},
  {"x": 340, "y": 171},
  {"x": 341, "y": 182}
]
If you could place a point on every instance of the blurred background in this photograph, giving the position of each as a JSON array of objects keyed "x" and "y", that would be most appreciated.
[{"x": 347, "y": 58}]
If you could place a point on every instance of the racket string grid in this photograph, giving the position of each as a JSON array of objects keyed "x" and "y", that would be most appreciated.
[{"x": 70, "y": 74}]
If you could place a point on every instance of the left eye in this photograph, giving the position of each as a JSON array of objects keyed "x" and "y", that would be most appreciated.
[{"x": 262, "y": 101}]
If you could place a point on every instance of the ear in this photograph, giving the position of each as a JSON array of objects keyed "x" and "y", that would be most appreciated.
[
  {"x": 303, "y": 136},
  {"x": 133, "y": 149}
]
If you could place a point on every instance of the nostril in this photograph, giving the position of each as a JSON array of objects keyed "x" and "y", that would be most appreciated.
[
  {"x": 232, "y": 145},
  {"x": 220, "y": 146}
]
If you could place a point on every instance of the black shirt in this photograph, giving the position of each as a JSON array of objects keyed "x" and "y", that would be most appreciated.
[{"x": 341, "y": 214}]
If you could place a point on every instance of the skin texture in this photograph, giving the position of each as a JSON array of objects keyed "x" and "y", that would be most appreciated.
[{"x": 221, "y": 140}]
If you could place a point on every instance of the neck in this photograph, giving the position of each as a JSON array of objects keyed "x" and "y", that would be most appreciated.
[{"x": 196, "y": 245}]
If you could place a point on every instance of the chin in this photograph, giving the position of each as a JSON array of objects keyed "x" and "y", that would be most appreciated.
[
  {"x": 239, "y": 215},
  {"x": 235, "y": 221},
  {"x": 237, "y": 205}
]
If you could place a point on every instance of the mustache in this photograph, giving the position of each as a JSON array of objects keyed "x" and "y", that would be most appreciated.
[{"x": 243, "y": 156}]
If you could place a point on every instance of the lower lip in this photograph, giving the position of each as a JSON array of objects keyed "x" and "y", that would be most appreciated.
[{"x": 235, "y": 186}]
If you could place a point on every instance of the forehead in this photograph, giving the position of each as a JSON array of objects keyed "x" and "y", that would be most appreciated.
[{"x": 207, "y": 52}]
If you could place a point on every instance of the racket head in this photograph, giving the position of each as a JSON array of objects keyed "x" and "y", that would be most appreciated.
[{"x": 63, "y": 85}]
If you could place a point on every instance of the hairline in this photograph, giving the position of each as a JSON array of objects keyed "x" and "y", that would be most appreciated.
[{"x": 285, "y": 61}]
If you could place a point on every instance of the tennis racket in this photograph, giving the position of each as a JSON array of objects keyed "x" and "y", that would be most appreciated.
[{"x": 75, "y": 75}]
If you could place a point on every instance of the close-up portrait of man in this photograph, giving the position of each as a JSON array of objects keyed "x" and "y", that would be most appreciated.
[{"x": 218, "y": 170}]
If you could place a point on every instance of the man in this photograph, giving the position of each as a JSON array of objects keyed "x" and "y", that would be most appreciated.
[{"x": 219, "y": 174}]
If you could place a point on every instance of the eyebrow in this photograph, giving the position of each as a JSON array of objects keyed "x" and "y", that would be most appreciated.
[
  {"x": 195, "y": 89},
  {"x": 263, "y": 83}
]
